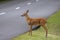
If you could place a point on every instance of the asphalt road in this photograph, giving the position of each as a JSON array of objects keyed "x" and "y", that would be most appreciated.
[{"x": 12, "y": 24}]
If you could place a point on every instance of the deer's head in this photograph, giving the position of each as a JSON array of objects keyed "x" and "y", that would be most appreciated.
[{"x": 25, "y": 14}]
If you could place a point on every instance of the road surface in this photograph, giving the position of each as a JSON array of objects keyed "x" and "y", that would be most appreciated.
[{"x": 12, "y": 24}]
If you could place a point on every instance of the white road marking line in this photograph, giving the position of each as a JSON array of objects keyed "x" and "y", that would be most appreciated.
[
  {"x": 18, "y": 7},
  {"x": 29, "y": 3},
  {"x": 2, "y": 13},
  {"x": 37, "y": 0}
]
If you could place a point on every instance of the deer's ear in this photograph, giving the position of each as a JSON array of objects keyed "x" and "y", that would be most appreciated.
[{"x": 27, "y": 11}]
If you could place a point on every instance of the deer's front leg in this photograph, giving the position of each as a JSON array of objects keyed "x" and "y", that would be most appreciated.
[{"x": 30, "y": 30}]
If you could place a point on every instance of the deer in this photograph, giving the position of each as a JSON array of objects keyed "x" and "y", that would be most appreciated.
[{"x": 35, "y": 21}]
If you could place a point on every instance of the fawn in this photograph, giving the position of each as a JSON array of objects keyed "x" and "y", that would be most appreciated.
[{"x": 35, "y": 21}]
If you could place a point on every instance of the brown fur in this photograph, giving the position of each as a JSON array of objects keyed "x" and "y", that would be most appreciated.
[{"x": 35, "y": 21}]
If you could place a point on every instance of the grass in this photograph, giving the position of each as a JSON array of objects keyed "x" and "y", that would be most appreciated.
[
  {"x": 53, "y": 30},
  {"x": 54, "y": 23},
  {"x": 1, "y": 1}
]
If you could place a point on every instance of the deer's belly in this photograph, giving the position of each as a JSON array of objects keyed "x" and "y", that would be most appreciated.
[{"x": 34, "y": 23}]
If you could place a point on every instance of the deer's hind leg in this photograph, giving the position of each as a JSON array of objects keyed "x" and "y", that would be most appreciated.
[{"x": 45, "y": 28}]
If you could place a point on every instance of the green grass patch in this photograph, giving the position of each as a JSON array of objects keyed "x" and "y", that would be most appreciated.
[
  {"x": 54, "y": 23},
  {"x": 1, "y": 1},
  {"x": 53, "y": 30}
]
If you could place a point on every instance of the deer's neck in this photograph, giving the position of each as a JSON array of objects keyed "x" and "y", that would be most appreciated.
[{"x": 27, "y": 17}]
